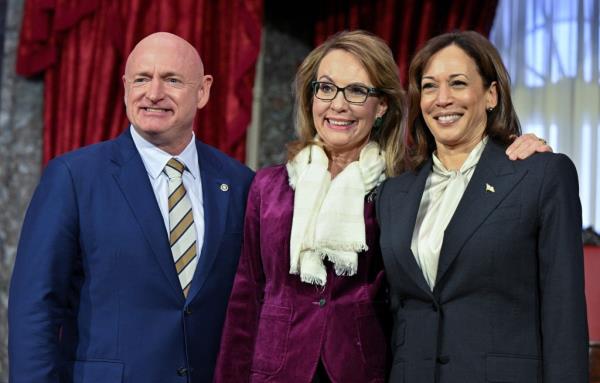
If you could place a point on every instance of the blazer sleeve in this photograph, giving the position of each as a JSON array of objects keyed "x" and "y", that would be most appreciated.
[
  {"x": 42, "y": 278},
  {"x": 241, "y": 322},
  {"x": 563, "y": 307},
  {"x": 379, "y": 208}
]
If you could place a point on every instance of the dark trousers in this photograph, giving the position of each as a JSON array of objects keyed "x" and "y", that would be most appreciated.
[{"x": 321, "y": 375}]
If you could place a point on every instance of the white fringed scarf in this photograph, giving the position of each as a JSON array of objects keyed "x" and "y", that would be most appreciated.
[{"x": 328, "y": 221}]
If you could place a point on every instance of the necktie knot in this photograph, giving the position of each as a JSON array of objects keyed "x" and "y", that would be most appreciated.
[{"x": 174, "y": 168}]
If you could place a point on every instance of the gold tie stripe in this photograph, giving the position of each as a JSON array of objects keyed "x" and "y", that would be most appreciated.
[{"x": 182, "y": 231}]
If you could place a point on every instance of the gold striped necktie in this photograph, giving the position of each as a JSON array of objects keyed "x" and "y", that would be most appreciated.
[{"x": 182, "y": 231}]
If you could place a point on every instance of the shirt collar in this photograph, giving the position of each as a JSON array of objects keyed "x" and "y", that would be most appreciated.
[
  {"x": 471, "y": 161},
  {"x": 155, "y": 159}
]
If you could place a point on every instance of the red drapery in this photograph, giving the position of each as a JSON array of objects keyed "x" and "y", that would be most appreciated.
[
  {"x": 592, "y": 290},
  {"x": 81, "y": 47},
  {"x": 404, "y": 24}
]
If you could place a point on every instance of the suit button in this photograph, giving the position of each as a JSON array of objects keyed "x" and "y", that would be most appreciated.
[
  {"x": 443, "y": 359},
  {"x": 434, "y": 307},
  {"x": 182, "y": 371},
  {"x": 187, "y": 310},
  {"x": 322, "y": 302}
]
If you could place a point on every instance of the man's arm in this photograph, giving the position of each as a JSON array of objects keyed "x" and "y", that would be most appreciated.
[{"x": 41, "y": 277}]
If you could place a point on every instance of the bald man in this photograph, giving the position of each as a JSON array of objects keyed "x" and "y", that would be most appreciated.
[{"x": 129, "y": 247}]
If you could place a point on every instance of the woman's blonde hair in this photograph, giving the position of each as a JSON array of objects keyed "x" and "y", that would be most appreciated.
[{"x": 377, "y": 59}]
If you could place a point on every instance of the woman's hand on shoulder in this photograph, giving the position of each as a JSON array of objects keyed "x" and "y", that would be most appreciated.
[{"x": 526, "y": 145}]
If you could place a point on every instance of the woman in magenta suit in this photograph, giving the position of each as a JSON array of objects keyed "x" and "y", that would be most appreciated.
[{"x": 309, "y": 296}]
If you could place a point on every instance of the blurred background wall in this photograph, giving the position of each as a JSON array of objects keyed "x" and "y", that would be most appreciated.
[{"x": 21, "y": 104}]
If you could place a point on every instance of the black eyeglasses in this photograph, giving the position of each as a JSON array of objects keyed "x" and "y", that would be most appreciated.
[{"x": 353, "y": 93}]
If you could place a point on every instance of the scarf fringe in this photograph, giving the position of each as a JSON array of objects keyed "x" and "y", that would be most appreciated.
[
  {"x": 312, "y": 279},
  {"x": 325, "y": 245},
  {"x": 312, "y": 269},
  {"x": 345, "y": 271},
  {"x": 345, "y": 263}
]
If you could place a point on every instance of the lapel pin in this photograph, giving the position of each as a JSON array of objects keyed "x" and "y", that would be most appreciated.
[
  {"x": 489, "y": 188},
  {"x": 224, "y": 187}
]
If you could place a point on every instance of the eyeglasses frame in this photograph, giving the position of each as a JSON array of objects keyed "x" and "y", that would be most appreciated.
[{"x": 370, "y": 91}]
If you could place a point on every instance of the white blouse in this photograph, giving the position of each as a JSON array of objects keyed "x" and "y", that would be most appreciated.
[{"x": 443, "y": 191}]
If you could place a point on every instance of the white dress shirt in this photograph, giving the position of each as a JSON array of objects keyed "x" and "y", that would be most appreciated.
[
  {"x": 155, "y": 160},
  {"x": 443, "y": 191}
]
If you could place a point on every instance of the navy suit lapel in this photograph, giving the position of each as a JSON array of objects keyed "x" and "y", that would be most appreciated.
[
  {"x": 494, "y": 171},
  {"x": 405, "y": 210},
  {"x": 215, "y": 196},
  {"x": 132, "y": 178}
]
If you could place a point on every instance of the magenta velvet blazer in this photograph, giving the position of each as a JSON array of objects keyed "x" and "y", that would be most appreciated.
[{"x": 277, "y": 327}]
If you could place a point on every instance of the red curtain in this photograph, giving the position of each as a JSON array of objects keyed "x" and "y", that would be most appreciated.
[
  {"x": 81, "y": 48},
  {"x": 404, "y": 24}
]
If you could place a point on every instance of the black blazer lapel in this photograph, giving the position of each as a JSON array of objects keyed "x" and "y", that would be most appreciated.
[
  {"x": 494, "y": 177},
  {"x": 132, "y": 178},
  {"x": 405, "y": 210},
  {"x": 215, "y": 197}
]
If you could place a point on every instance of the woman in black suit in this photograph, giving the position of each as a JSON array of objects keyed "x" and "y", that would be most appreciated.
[{"x": 483, "y": 254}]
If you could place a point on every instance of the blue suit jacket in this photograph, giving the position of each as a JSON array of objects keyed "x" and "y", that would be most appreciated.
[
  {"x": 508, "y": 303},
  {"x": 94, "y": 294}
]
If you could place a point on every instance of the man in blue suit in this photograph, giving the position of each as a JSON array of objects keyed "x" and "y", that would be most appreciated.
[{"x": 124, "y": 269}]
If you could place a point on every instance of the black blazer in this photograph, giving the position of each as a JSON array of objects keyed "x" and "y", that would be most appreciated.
[{"x": 508, "y": 303}]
